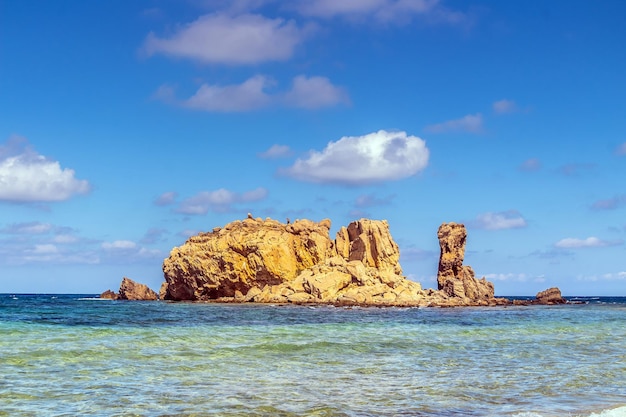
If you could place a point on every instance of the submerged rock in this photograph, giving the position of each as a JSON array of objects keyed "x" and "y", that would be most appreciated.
[{"x": 266, "y": 261}]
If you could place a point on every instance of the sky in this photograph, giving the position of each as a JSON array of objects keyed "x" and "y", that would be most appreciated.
[{"x": 128, "y": 126}]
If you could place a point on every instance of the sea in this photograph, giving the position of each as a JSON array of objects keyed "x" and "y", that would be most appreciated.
[{"x": 77, "y": 355}]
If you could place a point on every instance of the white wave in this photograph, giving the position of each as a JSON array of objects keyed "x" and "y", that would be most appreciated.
[
  {"x": 93, "y": 298},
  {"x": 613, "y": 412}
]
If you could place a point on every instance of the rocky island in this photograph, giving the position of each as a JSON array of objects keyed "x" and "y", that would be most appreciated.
[{"x": 266, "y": 261}]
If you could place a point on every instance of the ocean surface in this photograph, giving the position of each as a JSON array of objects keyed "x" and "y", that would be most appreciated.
[{"x": 72, "y": 355}]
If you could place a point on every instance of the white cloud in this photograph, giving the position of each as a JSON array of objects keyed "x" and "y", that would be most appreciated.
[
  {"x": 276, "y": 151},
  {"x": 124, "y": 251},
  {"x": 225, "y": 39},
  {"x": 28, "y": 228},
  {"x": 472, "y": 123},
  {"x": 166, "y": 199},
  {"x": 65, "y": 239},
  {"x": 45, "y": 253},
  {"x": 249, "y": 95},
  {"x": 149, "y": 253},
  {"x": 378, "y": 156},
  {"x": 331, "y": 8},
  {"x": 45, "y": 249},
  {"x": 26, "y": 176},
  {"x": 119, "y": 245},
  {"x": 383, "y": 11},
  {"x": 508, "y": 277},
  {"x": 590, "y": 242},
  {"x": 611, "y": 276},
  {"x": 511, "y": 219},
  {"x": 621, "y": 149},
  {"x": 254, "y": 93},
  {"x": 314, "y": 92},
  {"x": 504, "y": 106},
  {"x": 515, "y": 277},
  {"x": 69, "y": 258},
  {"x": 221, "y": 200}
]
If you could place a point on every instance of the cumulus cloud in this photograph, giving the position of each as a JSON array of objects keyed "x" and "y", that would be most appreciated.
[
  {"x": 504, "y": 106},
  {"x": 590, "y": 242},
  {"x": 621, "y": 149},
  {"x": 530, "y": 165},
  {"x": 383, "y": 11},
  {"x": 314, "y": 93},
  {"x": 472, "y": 123},
  {"x": 257, "y": 92},
  {"x": 221, "y": 200},
  {"x": 511, "y": 219},
  {"x": 26, "y": 176},
  {"x": 357, "y": 160},
  {"x": 276, "y": 151},
  {"x": 610, "y": 203},
  {"x": 225, "y": 39}
]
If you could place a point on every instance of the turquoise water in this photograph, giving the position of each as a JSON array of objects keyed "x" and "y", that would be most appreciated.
[{"x": 70, "y": 355}]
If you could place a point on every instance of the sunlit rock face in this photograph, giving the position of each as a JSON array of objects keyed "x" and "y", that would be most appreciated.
[
  {"x": 242, "y": 255},
  {"x": 453, "y": 278},
  {"x": 131, "y": 290},
  {"x": 266, "y": 261},
  {"x": 550, "y": 296}
]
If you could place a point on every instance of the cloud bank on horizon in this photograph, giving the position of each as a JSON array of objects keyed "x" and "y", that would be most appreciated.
[{"x": 417, "y": 111}]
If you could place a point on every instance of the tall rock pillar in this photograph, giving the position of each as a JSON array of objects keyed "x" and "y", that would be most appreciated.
[{"x": 454, "y": 279}]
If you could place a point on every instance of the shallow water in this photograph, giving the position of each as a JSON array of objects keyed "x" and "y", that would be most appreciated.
[{"x": 68, "y": 355}]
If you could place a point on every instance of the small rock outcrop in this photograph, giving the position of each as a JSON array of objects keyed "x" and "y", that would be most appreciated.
[
  {"x": 453, "y": 278},
  {"x": 131, "y": 290},
  {"x": 550, "y": 296},
  {"x": 109, "y": 295},
  {"x": 265, "y": 261}
]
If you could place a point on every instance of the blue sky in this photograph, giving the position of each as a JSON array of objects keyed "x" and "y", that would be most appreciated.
[{"x": 126, "y": 127}]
